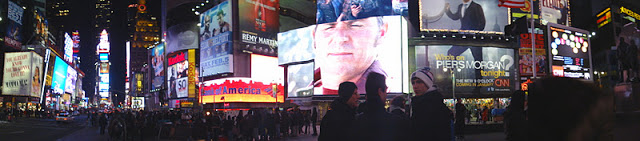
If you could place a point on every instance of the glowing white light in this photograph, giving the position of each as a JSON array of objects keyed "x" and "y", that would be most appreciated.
[
  {"x": 554, "y": 34},
  {"x": 554, "y": 51},
  {"x": 575, "y": 50},
  {"x": 554, "y": 45}
]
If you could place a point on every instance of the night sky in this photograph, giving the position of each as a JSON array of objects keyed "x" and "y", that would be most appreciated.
[{"x": 81, "y": 14}]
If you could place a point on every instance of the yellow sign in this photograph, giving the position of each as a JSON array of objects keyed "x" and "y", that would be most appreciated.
[
  {"x": 192, "y": 73},
  {"x": 630, "y": 13}
]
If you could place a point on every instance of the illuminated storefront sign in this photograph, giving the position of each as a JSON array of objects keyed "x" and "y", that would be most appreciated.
[
  {"x": 604, "y": 17},
  {"x": 630, "y": 13},
  {"x": 242, "y": 90}
]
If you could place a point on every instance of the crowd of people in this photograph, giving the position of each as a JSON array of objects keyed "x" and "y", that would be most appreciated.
[{"x": 257, "y": 124}]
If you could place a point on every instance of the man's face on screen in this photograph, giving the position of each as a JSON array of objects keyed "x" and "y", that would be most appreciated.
[{"x": 344, "y": 50}]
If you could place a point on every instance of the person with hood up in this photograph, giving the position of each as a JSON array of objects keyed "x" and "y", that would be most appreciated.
[
  {"x": 337, "y": 123},
  {"x": 430, "y": 119}
]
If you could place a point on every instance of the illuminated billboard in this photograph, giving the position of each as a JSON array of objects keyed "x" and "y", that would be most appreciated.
[
  {"x": 177, "y": 71},
  {"x": 216, "y": 44},
  {"x": 456, "y": 15},
  {"x": 266, "y": 69},
  {"x": 569, "y": 52},
  {"x": 338, "y": 10},
  {"x": 22, "y": 74},
  {"x": 375, "y": 46},
  {"x": 242, "y": 90},
  {"x": 68, "y": 48},
  {"x": 181, "y": 37},
  {"x": 555, "y": 11},
  {"x": 104, "y": 57},
  {"x": 259, "y": 26},
  {"x": 75, "y": 36},
  {"x": 104, "y": 45},
  {"x": 157, "y": 62},
  {"x": 59, "y": 76},
  {"x": 70, "y": 82},
  {"x": 296, "y": 45},
  {"x": 13, "y": 35},
  {"x": 300, "y": 77},
  {"x": 526, "y": 62},
  {"x": 477, "y": 70}
]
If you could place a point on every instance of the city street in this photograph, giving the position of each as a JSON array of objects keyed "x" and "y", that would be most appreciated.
[{"x": 37, "y": 129}]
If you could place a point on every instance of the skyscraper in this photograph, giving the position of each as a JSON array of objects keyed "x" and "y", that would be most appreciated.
[{"x": 144, "y": 32}]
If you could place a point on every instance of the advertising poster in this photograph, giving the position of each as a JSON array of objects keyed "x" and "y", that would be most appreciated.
[
  {"x": 477, "y": 72},
  {"x": 216, "y": 40},
  {"x": 177, "y": 80},
  {"x": 157, "y": 62},
  {"x": 59, "y": 76},
  {"x": 526, "y": 61},
  {"x": 295, "y": 45},
  {"x": 259, "y": 22},
  {"x": 342, "y": 10},
  {"x": 70, "y": 82},
  {"x": 68, "y": 48},
  {"x": 13, "y": 37},
  {"x": 75, "y": 36},
  {"x": 300, "y": 76},
  {"x": 41, "y": 25},
  {"x": 375, "y": 46},
  {"x": 191, "y": 73},
  {"x": 555, "y": 11},
  {"x": 17, "y": 74},
  {"x": 457, "y": 15},
  {"x": 242, "y": 90},
  {"x": 37, "y": 72},
  {"x": 570, "y": 52},
  {"x": 181, "y": 37}
]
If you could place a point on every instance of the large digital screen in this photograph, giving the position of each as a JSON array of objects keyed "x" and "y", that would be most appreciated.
[
  {"x": 259, "y": 22},
  {"x": 181, "y": 37},
  {"x": 476, "y": 70},
  {"x": 296, "y": 45},
  {"x": 177, "y": 80},
  {"x": 570, "y": 52},
  {"x": 22, "y": 74},
  {"x": 59, "y": 76},
  {"x": 555, "y": 11},
  {"x": 104, "y": 46},
  {"x": 266, "y": 69},
  {"x": 242, "y": 90},
  {"x": 458, "y": 15},
  {"x": 104, "y": 57},
  {"x": 374, "y": 45},
  {"x": 341, "y": 10},
  {"x": 70, "y": 82},
  {"x": 216, "y": 44},
  {"x": 68, "y": 48},
  {"x": 157, "y": 62},
  {"x": 300, "y": 78}
]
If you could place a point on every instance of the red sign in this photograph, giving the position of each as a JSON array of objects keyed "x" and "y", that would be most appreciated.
[
  {"x": 177, "y": 58},
  {"x": 241, "y": 90},
  {"x": 525, "y": 40}
]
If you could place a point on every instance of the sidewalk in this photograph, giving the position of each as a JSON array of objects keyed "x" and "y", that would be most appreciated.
[{"x": 88, "y": 133}]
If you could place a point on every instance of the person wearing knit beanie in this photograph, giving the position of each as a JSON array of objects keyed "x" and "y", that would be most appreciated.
[{"x": 426, "y": 76}]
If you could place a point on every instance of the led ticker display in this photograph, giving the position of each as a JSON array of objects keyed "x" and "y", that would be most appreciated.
[
  {"x": 242, "y": 90},
  {"x": 570, "y": 52}
]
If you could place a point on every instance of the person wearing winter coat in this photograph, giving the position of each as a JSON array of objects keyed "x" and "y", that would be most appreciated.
[
  {"x": 337, "y": 123},
  {"x": 431, "y": 119}
]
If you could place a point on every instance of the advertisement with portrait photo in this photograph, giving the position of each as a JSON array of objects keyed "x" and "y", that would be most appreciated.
[
  {"x": 22, "y": 74},
  {"x": 177, "y": 74},
  {"x": 478, "y": 70},
  {"x": 216, "y": 44},
  {"x": 555, "y": 11},
  {"x": 259, "y": 22},
  {"x": 341, "y": 10},
  {"x": 157, "y": 62},
  {"x": 13, "y": 37},
  {"x": 375, "y": 46},
  {"x": 463, "y": 15},
  {"x": 70, "y": 82}
]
